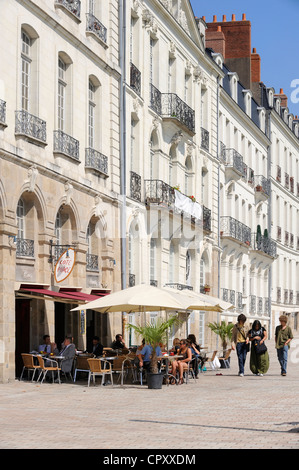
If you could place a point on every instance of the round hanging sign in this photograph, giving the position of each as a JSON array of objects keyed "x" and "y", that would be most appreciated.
[{"x": 65, "y": 265}]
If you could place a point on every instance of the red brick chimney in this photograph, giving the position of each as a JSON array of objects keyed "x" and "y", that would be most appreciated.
[
  {"x": 237, "y": 42},
  {"x": 216, "y": 40},
  {"x": 283, "y": 99}
]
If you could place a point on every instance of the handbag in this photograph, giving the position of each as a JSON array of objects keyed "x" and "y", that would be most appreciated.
[
  {"x": 259, "y": 348},
  {"x": 248, "y": 344}
]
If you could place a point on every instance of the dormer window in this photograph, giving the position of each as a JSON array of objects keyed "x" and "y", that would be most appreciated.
[
  {"x": 262, "y": 118},
  {"x": 233, "y": 78},
  {"x": 277, "y": 105},
  {"x": 271, "y": 97},
  {"x": 247, "y": 101}
]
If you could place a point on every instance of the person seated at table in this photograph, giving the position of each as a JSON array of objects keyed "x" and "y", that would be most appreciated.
[
  {"x": 97, "y": 348},
  {"x": 118, "y": 343},
  {"x": 176, "y": 345},
  {"x": 47, "y": 346},
  {"x": 181, "y": 364},
  {"x": 68, "y": 353},
  {"x": 145, "y": 354},
  {"x": 197, "y": 357}
]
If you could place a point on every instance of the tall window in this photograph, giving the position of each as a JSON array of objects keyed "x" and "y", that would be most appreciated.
[
  {"x": 91, "y": 114},
  {"x": 202, "y": 272},
  {"x": 61, "y": 93},
  {"x": 171, "y": 263},
  {"x": 88, "y": 239},
  {"x": 91, "y": 6},
  {"x": 188, "y": 269},
  {"x": 151, "y": 60},
  {"x": 58, "y": 225},
  {"x": 21, "y": 219},
  {"x": 153, "y": 259},
  {"x": 132, "y": 142},
  {"x": 26, "y": 63}
]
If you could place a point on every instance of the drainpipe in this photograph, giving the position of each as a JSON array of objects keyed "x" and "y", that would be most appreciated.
[
  {"x": 218, "y": 198},
  {"x": 122, "y": 111},
  {"x": 269, "y": 159}
]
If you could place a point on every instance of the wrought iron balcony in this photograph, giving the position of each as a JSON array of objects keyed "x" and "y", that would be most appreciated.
[
  {"x": 173, "y": 107},
  {"x": 286, "y": 296},
  {"x": 278, "y": 295},
  {"x": 135, "y": 79},
  {"x": 176, "y": 285},
  {"x": 230, "y": 227},
  {"x": 2, "y": 111},
  {"x": 155, "y": 99},
  {"x": 131, "y": 280},
  {"x": 207, "y": 219},
  {"x": 96, "y": 161},
  {"x": 205, "y": 139},
  {"x": 154, "y": 283},
  {"x": 73, "y": 6},
  {"x": 264, "y": 244},
  {"x": 25, "y": 247},
  {"x": 252, "y": 303},
  {"x": 135, "y": 186},
  {"x": 260, "y": 305},
  {"x": 30, "y": 126},
  {"x": 93, "y": 25},
  {"x": 233, "y": 161},
  {"x": 225, "y": 294},
  {"x": 266, "y": 305},
  {"x": 262, "y": 185},
  {"x": 66, "y": 145},
  {"x": 92, "y": 262},
  {"x": 158, "y": 192},
  {"x": 239, "y": 301}
]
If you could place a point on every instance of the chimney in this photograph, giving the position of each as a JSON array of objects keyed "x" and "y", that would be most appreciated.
[
  {"x": 255, "y": 67},
  {"x": 237, "y": 39},
  {"x": 283, "y": 98},
  {"x": 215, "y": 40}
]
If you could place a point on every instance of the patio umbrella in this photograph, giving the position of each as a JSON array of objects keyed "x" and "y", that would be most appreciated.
[
  {"x": 194, "y": 301},
  {"x": 135, "y": 299}
]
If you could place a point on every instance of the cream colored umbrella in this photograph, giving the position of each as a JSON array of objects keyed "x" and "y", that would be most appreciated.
[
  {"x": 193, "y": 301},
  {"x": 135, "y": 299}
]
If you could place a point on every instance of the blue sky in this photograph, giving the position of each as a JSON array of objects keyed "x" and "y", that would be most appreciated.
[{"x": 274, "y": 33}]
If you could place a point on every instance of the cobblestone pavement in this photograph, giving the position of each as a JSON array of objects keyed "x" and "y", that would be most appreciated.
[{"x": 215, "y": 412}]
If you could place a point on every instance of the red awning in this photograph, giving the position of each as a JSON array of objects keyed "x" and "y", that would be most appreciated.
[{"x": 76, "y": 297}]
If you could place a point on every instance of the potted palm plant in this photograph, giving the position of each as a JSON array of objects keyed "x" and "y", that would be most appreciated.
[
  {"x": 155, "y": 334},
  {"x": 224, "y": 330}
]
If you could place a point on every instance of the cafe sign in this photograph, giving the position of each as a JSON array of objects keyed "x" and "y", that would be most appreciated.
[{"x": 65, "y": 265}]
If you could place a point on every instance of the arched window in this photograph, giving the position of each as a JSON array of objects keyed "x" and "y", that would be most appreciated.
[
  {"x": 62, "y": 84},
  {"x": 26, "y": 70}
]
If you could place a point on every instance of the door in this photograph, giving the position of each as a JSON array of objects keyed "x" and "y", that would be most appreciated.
[
  {"x": 22, "y": 322},
  {"x": 59, "y": 324}
]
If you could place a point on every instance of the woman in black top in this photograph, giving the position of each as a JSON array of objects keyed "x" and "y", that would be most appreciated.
[{"x": 259, "y": 362}]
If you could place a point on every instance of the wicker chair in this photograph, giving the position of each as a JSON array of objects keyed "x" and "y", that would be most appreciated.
[
  {"x": 99, "y": 367},
  {"x": 45, "y": 370},
  {"x": 28, "y": 364}
]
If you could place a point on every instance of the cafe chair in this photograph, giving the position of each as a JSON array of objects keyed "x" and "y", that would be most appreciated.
[
  {"x": 45, "y": 370},
  {"x": 225, "y": 359},
  {"x": 81, "y": 365},
  {"x": 99, "y": 367},
  {"x": 211, "y": 360},
  {"x": 28, "y": 364}
]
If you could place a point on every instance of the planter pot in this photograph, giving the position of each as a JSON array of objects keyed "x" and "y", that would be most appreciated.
[{"x": 154, "y": 381}]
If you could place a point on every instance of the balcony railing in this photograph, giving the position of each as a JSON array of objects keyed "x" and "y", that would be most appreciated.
[
  {"x": 278, "y": 174},
  {"x": 135, "y": 186},
  {"x": 135, "y": 79},
  {"x": 31, "y": 126},
  {"x": 96, "y": 161},
  {"x": 239, "y": 300},
  {"x": 73, "y": 6},
  {"x": 65, "y": 144},
  {"x": 176, "y": 285},
  {"x": 92, "y": 262},
  {"x": 232, "y": 159},
  {"x": 252, "y": 303},
  {"x": 207, "y": 219},
  {"x": 278, "y": 295},
  {"x": 264, "y": 244},
  {"x": 225, "y": 294},
  {"x": 173, "y": 107},
  {"x": 25, "y": 247},
  {"x": 155, "y": 99},
  {"x": 158, "y": 192},
  {"x": 132, "y": 280},
  {"x": 205, "y": 139},
  {"x": 230, "y": 227},
  {"x": 2, "y": 111},
  {"x": 260, "y": 305},
  {"x": 286, "y": 296},
  {"x": 262, "y": 185},
  {"x": 93, "y": 25}
]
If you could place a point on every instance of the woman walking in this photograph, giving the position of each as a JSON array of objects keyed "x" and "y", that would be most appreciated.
[
  {"x": 240, "y": 342},
  {"x": 283, "y": 337},
  {"x": 259, "y": 356}
]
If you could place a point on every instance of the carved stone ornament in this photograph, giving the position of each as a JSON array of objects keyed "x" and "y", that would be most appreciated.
[
  {"x": 32, "y": 177},
  {"x": 191, "y": 146},
  {"x": 149, "y": 21},
  {"x": 136, "y": 7},
  {"x": 200, "y": 76},
  {"x": 176, "y": 139},
  {"x": 68, "y": 187}
]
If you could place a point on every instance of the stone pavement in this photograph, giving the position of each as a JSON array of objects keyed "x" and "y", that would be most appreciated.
[{"x": 214, "y": 412}]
